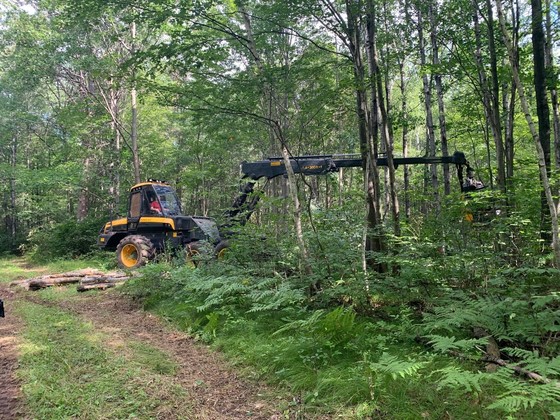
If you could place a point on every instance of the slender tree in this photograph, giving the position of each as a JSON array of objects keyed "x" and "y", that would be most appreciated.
[{"x": 552, "y": 204}]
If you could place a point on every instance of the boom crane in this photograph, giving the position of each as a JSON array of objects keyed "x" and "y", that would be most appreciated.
[{"x": 273, "y": 167}]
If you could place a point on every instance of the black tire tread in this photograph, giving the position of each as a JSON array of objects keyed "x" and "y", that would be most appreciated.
[{"x": 141, "y": 242}]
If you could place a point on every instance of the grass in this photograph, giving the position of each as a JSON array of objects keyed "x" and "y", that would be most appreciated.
[{"x": 69, "y": 370}]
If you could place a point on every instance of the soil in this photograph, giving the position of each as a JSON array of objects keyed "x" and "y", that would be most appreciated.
[
  {"x": 11, "y": 403},
  {"x": 216, "y": 391}
]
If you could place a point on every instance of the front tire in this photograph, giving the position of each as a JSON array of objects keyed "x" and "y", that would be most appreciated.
[
  {"x": 220, "y": 249},
  {"x": 197, "y": 253},
  {"x": 134, "y": 251}
]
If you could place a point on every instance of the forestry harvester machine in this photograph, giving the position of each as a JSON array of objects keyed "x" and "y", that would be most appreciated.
[{"x": 154, "y": 219}]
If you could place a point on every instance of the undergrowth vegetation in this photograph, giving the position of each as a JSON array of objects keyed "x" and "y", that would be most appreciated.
[
  {"x": 70, "y": 239},
  {"x": 414, "y": 342}
]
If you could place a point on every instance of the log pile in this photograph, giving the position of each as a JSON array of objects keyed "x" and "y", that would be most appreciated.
[{"x": 87, "y": 279}]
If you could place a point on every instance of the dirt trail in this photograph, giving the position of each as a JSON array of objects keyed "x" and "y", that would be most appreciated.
[
  {"x": 215, "y": 391},
  {"x": 11, "y": 406}
]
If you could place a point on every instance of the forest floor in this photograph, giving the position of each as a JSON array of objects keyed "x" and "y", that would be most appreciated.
[{"x": 214, "y": 389}]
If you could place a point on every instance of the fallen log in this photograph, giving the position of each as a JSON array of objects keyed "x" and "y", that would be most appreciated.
[
  {"x": 108, "y": 278},
  {"x": 492, "y": 349},
  {"x": 97, "y": 286},
  {"x": 36, "y": 284},
  {"x": 88, "y": 275},
  {"x": 102, "y": 282},
  {"x": 489, "y": 357}
]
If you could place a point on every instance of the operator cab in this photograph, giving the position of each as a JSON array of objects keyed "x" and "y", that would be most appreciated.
[{"x": 151, "y": 199}]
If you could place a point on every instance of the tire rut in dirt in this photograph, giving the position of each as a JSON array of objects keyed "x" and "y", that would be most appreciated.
[{"x": 11, "y": 399}]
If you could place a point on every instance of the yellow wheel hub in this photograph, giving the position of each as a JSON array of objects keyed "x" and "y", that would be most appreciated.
[
  {"x": 192, "y": 257},
  {"x": 129, "y": 255}
]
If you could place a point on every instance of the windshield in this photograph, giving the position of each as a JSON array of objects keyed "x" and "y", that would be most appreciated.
[{"x": 168, "y": 199}]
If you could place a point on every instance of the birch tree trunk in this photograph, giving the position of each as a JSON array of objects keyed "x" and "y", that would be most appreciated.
[
  {"x": 427, "y": 96},
  {"x": 305, "y": 264},
  {"x": 134, "y": 110},
  {"x": 439, "y": 93},
  {"x": 404, "y": 111},
  {"x": 276, "y": 131},
  {"x": 13, "y": 218},
  {"x": 552, "y": 205},
  {"x": 83, "y": 198}
]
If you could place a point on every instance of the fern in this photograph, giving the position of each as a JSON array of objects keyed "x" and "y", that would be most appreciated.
[
  {"x": 273, "y": 300},
  {"x": 529, "y": 320},
  {"x": 455, "y": 378},
  {"x": 524, "y": 395},
  {"x": 547, "y": 367},
  {"x": 226, "y": 293},
  {"x": 443, "y": 344},
  {"x": 336, "y": 327},
  {"x": 301, "y": 324},
  {"x": 394, "y": 367}
]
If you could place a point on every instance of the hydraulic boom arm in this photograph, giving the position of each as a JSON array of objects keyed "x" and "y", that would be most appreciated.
[{"x": 323, "y": 164}]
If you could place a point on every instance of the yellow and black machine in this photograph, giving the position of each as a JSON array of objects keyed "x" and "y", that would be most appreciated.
[{"x": 154, "y": 219}]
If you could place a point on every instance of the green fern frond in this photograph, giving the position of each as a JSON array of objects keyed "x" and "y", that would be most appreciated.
[
  {"x": 274, "y": 300},
  {"x": 547, "y": 367},
  {"x": 443, "y": 344},
  {"x": 525, "y": 395},
  {"x": 395, "y": 367},
  {"x": 336, "y": 326},
  {"x": 455, "y": 378},
  {"x": 300, "y": 324}
]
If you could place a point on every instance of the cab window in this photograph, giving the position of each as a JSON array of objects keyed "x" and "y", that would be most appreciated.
[
  {"x": 152, "y": 205},
  {"x": 135, "y": 204},
  {"x": 169, "y": 202}
]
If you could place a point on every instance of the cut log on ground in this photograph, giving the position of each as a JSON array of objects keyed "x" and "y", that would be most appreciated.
[
  {"x": 87, "y": 276},
  {"x": 102, "y": 282},
  {"x": 490, "y": 358},
  {"x": 96, "y": 286}
]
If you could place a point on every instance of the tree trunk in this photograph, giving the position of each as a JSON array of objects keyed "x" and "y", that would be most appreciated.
[
  {"x": 83, "y": 198},
  {"x": 494, "y": 102},
  {"x": 490, "y": 91},
  {"x": 552, "y": 206},
  {"x": 115, "y": 189},
  {"x": 404, "y": 111},
  {"x": 543, "y": 113},
  {"x": 509, "y": 110},
  {"x": 13, "y": 196},
  {"x": 305, "y": 264},
  {"x": 549, "y": 64},
  {"x": 134, "y": 110},
  {"x": 427, "y": 95},
  {"x": 374, "y": 241},
  {"x": 439, "y": 92},
  {"x": 376, "y": 80}
]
